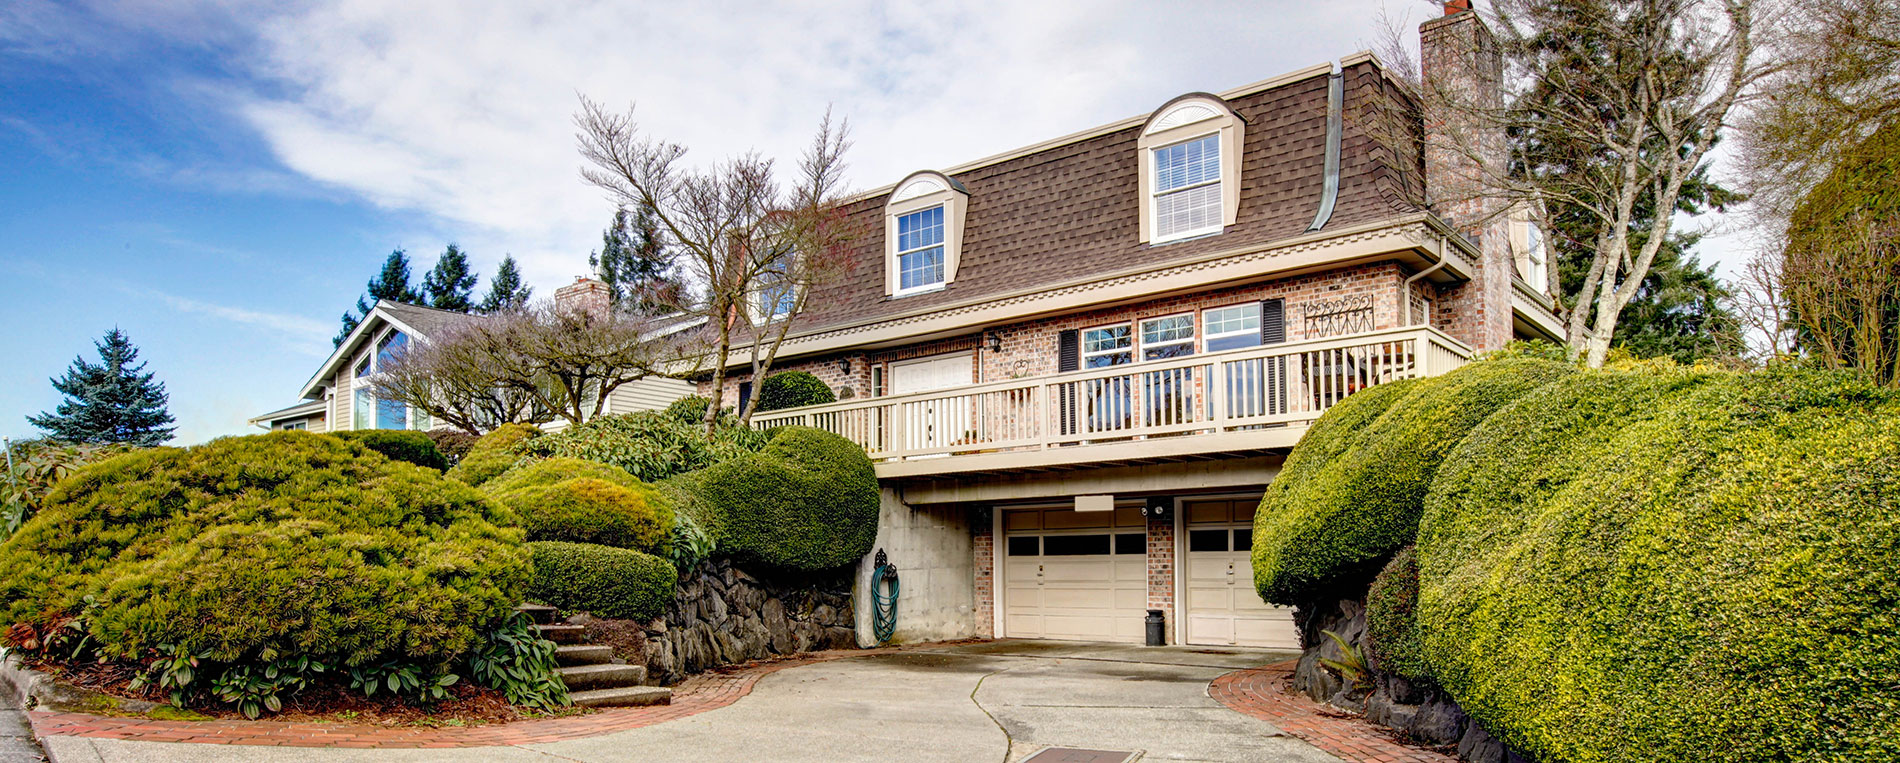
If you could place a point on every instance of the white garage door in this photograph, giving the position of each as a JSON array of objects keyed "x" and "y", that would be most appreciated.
[
  {"x": 1075, "y": 575},
  {"x": 1223, "y": 607}
]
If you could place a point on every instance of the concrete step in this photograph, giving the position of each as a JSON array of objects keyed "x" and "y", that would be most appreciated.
[
  {"x": 583, "y": 654},
  {"x": 542, "y": 613},
  {"x": 625, "y": 696},
  {"x": 561, "y": 634},
  {"x": 584, "y": 677}
]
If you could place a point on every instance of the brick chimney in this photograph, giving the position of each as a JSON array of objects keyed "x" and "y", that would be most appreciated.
[
  {"x": 583, "y": 294},
  {"x": 1457, "y": 54}
]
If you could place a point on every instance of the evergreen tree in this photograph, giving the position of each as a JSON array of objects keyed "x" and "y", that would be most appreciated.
[
  {"x": 505, "y": 290},
  {"x": 391, "y": 283},
  {"x": 450, "y": 285},
  {"x": 635, "y": 265},
  {"x": 115, "y": 401}
]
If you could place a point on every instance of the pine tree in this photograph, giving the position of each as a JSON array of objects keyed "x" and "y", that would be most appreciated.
[
  {"x": 450, "y": 285},
  {"x": 634, "y": 264},
  {"x": 391, "y": 283},
  {"x": 114, "y": 401},
  {"x": 505, "y": 291}
]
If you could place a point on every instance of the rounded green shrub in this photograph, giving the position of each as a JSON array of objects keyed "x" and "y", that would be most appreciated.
[
  {"x": 690, "y": 409},
  {"x": 792, "y": 389},
  {"x": 454, "y": 443},
  {"x": 1331, "y": 523},
  {"x": 609, "y": 582},
  {"x": 650, "y": 445},
  {"x": 549, "y": 471},
  {"x": 300, "y": 543},
  {"x": 1391, "y": 618},
  {"x": 808, "y": 501},
  {"x": 1651, "y": 566},
  {"x": 402, "y": 445},
  {"x": 593, "y": 510},
  {"x": 495, "y": 453}
]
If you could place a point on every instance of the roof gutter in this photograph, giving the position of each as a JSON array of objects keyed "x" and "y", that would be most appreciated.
[
  {"x": 1406, "y": 299},
  {"x": 1335, "y": 118}
]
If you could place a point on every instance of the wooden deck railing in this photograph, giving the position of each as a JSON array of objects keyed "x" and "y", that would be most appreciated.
[{"x": 1281, "y": 384}]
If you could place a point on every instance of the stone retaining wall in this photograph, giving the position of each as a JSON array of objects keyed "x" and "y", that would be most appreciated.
[{"x": 723, "y": 615}]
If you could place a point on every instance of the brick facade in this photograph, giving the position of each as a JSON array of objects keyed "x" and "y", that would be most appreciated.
[
  {"x": 983, "y": 549},
  {"x": 1161, "y": 568}
]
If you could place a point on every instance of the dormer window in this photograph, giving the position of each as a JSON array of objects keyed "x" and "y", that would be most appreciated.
[
  {"x": 1190, "y": 169},
  {"x": 923, "y": 233}
]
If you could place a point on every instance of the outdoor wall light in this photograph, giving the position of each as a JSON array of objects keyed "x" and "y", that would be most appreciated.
[
  {"x": 844, "y": 365},
  {"x": 994, "y": 340}
]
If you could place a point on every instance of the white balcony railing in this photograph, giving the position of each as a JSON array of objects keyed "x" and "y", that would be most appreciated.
[{"x": 1214, "y": 393}]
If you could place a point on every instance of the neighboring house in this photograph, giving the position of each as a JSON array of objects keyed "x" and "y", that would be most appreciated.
[
  {"x": 1078, "y": 364},
  {"x": 339, "y": 396}
]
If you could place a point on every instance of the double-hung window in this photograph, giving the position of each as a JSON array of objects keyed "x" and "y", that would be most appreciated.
[
  {"x": 776, "y": 298},
  {"x": 1107, "y": 346},
  {"x": 920, "y": 251},
  {"x": 1170, "y": 337},
  {"x": 1231, "y": 328},
  {"x": 1187, "y": 188}
]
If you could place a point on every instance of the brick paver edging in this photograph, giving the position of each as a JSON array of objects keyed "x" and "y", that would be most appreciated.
[
  {"x": 703, "y": 692},
  {"x": 1265, "y": 693}
]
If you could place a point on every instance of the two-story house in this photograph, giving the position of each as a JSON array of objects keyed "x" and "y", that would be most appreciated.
[{"x": 1077, "y": 364}]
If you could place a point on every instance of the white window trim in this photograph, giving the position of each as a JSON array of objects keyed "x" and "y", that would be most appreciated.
[
  {"x": 372, "y": 352},
  {"x": 1141, "y": 336},
  {"x": 1082, "y": 359},
  {"x": 920, "y": 191},
  {"x": 1208, "y": 335},
  {"x": 1191, "y": 117},
  {"x": 897, "y": 255}
]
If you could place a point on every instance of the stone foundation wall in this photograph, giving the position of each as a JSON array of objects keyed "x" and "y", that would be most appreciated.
[
  {"x": 722, "y": 615},
  {"x": 1418, "y": 709}
]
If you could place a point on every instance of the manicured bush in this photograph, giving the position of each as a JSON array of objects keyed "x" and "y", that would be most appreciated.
[
  {"x": 494, "y": 453},
  {"x": 1392, "y": 618},
  {"x": 1331, "y": 525},
  {"x": 302, "y": 544},
  {"x": 808, "y": 501},
  {"x": 651, "y": 445},
  {"x": 625, "y": 514},
  {"x": 402, "y": 445},
  {"x": 1664, "y": 565},
  {"x": 454, "y": 443},
  {"x": 608, "y": 582},
  {"x": 791, "y": 389}
]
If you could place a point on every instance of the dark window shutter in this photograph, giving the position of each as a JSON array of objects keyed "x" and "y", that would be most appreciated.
[
  {"x": 745, "y": 394},
  {"x": 1272, "y": 321},
  {"x": 1068, "y": 350}
]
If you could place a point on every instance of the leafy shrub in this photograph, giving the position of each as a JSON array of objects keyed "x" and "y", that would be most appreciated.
[
  {"x": 652, "y": 446},
  {"x": 494, "y": 453},
  {"x": 520, "y": 664},
  {"x": 690, "y": 409},
  {"x": 296, "y": 543},
  {"x": 453, "y": 443},
  {"x": 36, "y": 465},
  {"x": 689, "y": 543},
  {"x": 808, "y": 501},
  {"x": 1337, "y": 521},
  {"x": 610, "y": 582},
  {"x": 399, "y": 444},
  {"x": 573, "y": 500},
  {"x": 792, "y": 389},
  {"x": 1391, "y": 618},
  {"x": 1654, "y": 565}
]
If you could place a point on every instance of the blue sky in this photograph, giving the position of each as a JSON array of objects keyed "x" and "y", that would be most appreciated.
[{"x": 219, "y": 177}]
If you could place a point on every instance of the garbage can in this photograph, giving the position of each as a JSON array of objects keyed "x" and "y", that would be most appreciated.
[{"x": 1157, "y": 628}]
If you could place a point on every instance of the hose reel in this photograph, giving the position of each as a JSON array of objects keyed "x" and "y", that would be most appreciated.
[{"x": 884, "y": 607}]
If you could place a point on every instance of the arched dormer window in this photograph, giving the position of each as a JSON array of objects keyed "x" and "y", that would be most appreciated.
[
  {"x": 1190, "y": 169},
  {"x": 923, "y": 233}
]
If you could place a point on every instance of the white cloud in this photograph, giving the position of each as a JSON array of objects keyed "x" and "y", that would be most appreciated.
[
  {"x": 302, "y": 335},
  {"x": 462, "y": 110}
]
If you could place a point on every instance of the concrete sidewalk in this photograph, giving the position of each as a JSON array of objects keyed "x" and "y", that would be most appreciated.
[
  {"x": 16, "y": 737},
  {"x": 998, "y": 701}
]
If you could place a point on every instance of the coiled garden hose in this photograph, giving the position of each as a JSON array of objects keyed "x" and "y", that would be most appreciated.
[{"x": 884, "y": 614}]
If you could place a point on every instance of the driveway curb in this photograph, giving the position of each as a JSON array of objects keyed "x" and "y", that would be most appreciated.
[{"x": 1265, "y": 693}]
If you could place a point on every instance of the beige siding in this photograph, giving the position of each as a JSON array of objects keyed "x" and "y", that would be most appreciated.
[
  {"x": 647, "y": 395},
  {"x": 344, "y": 400}
]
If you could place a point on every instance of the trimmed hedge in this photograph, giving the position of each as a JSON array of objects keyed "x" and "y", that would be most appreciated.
[
  {"x": 1336, "y": 514},
  {"x": 1654, "y": 566},
  {"x": 568, "y": 499},
  {"x": 651, "y": 445},
  {"x": 402, "y": 445},
  {"x": 808, "y": 501},
  {"x": 792, "y": 389},
  {"x": 493, "y": 454},
  {"x": 301, "y": 543},
  {"x": 1391, "y": 618},
  {"x": 606, "y": 581}
]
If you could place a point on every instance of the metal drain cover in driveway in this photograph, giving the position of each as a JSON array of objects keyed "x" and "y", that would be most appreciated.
[{"x": 1073, "y": 755}]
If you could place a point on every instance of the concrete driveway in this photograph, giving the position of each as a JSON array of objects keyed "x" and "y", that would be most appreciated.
[{"x": 995, "y": 701}]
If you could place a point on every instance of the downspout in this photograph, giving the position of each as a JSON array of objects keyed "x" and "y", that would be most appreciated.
[
  {"x": 1335, "y": 97},
  {"x": 1406, "y": 298}
]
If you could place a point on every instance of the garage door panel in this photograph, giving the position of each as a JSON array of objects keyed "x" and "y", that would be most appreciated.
[
  {"x": 1065, "y": 582},
  {"x": 1222, "y": 608}
]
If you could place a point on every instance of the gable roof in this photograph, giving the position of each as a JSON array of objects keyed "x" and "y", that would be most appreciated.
[{"x": 415, "y": 320}]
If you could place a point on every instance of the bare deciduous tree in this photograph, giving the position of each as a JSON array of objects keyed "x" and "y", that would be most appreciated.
[
  {"x": 1603, "y": 108},
  {"x": 535, "y": 364},
  {"x": 752, "y": 250}
]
